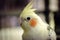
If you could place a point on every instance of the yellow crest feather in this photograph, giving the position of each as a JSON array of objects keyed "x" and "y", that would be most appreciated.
[{"x": 28, "y": 8}]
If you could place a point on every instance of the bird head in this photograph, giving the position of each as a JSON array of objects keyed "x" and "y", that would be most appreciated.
[{"x": 29, "y": 18}]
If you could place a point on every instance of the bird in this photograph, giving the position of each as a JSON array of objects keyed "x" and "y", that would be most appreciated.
[{"x": 33, "y": 26}]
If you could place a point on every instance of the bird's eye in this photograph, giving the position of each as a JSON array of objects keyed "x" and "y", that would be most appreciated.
[{"x": 28, "y": 18}]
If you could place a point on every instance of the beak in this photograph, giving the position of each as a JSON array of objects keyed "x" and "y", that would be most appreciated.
[{"x": 20, "y": 21}]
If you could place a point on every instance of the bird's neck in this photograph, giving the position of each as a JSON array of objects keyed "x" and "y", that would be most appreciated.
[{"x": 38, "y": 28}]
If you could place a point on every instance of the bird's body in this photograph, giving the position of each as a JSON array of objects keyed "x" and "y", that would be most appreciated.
[
  {"x": 36, "y": 35},
  {"x": 34, "y": 27}
]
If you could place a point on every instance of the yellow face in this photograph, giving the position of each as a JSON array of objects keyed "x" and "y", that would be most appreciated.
[
  {"x": 28, "y": 22},
  {"x": 28, "y": 17}
]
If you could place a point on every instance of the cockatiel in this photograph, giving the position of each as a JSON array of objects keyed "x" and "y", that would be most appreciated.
[{"x": 33, "y": 26}]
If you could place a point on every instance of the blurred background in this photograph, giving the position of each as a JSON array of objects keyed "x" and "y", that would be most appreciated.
[{"x": 48, "y": 10}]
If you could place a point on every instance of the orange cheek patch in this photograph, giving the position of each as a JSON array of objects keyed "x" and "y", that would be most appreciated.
[{"x": 33, "y": 22}]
